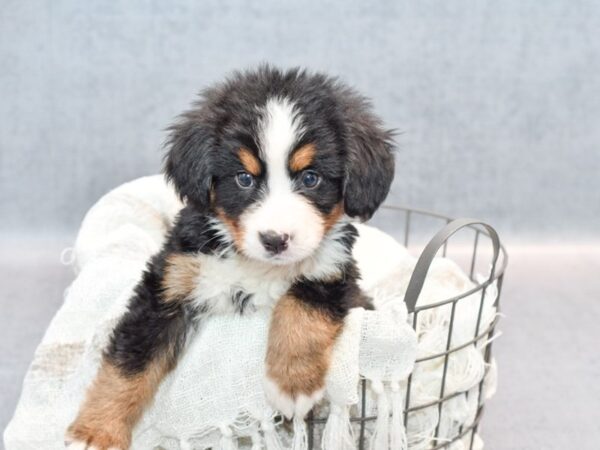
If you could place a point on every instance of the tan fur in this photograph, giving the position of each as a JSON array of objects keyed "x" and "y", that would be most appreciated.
[
  {"x": 302, "y": 158},
  {"x": 236, "y": 231},
  {"x": 331, "y": 219},
  {"x": 249, "y": 161},
  {"x": 113, "y": 404},
  {"x": 300, "y": 344},
  {"x": 181, "y": 273}
]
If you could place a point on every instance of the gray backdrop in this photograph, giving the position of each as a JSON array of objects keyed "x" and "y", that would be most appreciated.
[{"x": 498, "y": 102}]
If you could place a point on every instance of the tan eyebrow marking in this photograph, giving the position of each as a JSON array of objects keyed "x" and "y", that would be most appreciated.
[
  {"x": 303, "y": 157},
  {"x": 249, "y": 161}
]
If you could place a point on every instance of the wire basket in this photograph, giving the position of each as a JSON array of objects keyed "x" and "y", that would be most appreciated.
[{"x": 472, "y": 252}]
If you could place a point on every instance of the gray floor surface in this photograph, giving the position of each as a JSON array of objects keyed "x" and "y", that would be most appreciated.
[{"x": 549, "y": 358}]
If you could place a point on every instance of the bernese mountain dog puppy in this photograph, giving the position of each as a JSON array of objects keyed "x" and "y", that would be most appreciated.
[{"x": 271, "y": 165}]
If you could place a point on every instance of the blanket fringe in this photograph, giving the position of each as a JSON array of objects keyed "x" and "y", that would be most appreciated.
[
  {"x": 300, "y": 435},
  {"x": 338, "y": 434},
  {"x": 256, "y": 440},
  {"x": 398, "y": 439},
  {"x": 380, "y": 440},
  {"x": 272, "y": 441},
  {"x": 228, "y": 441}
]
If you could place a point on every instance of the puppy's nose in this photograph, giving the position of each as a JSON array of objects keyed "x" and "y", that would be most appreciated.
[{"x": 274, "y": 242}]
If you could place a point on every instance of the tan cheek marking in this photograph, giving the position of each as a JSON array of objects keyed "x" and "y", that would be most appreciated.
[
  {"x": 302, "y": 158},
  {"x": 249, "y": 161},
  {"x": 181, "y": 273},
  {"x": 113, "y": 404},
  {"x": 233, "y": 226},
  {"x": 300, "y": 345},
  {"x": 329, "y": 220}
]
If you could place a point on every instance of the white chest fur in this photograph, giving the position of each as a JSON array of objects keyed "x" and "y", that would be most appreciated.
[{"x": 222, "y": 278}]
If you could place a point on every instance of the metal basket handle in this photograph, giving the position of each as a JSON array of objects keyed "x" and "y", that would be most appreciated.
[{"x": 418, "y": 276}]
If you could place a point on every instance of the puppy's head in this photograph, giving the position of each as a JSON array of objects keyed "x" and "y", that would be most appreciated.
[{"x": 279, "y": 158}]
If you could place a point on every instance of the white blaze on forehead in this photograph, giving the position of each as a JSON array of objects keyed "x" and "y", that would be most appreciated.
[
  {"x": 282, "y": 210},
  {"x": 280, "y": 129}
]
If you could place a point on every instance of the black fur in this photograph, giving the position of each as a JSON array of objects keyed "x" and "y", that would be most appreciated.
[
  {"x": 355, "y": 153},
  {"x": 369, "y": 159},
  {"x": 242, "y": 300},
  {"x": 152, "y": 326},
  {"x": 189, "y": 163},
  {"x": 193, "y": 233},
  {"x": 335, "y": 297}
]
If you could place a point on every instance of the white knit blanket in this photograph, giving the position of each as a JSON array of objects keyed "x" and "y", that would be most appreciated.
[{"x": 215, "y": 398}]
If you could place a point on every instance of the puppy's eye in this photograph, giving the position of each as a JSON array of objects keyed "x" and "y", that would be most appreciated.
[
  {"x": 244, "y": 180},
  {"x": 310, "y": 179}
]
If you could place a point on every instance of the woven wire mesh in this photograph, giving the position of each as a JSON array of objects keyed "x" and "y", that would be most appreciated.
[{"x": 404, "y": 219}]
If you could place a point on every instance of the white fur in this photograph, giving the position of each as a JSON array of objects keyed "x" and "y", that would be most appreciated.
[
  {"x": 289, "y": 406},
  {"x": 220, "y": 278},
  {"x": 282, "y": 210},
  {"x": 305, "y": 403},
  {"x": 280, "y": 129},
  {"x": 223, "y": 234},
  {"x": 277, "y": 399},
  {"x": 327, "y": 259}
]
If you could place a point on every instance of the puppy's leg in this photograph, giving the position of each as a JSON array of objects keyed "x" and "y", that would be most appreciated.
[
  {"x": 112, "y": 406},
  {"x": 301, "y": 339},
  {"x": 143, "y": 348}
]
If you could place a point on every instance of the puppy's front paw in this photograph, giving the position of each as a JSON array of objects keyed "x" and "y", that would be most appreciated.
[
  {"x": 288, "y": 403},
  {"x": 111, "y": 436}
]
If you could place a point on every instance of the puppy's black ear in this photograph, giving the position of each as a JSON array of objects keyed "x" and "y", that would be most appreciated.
[
  {"x": 188, "y": 162},
  {"x": 370, "y": 159}
]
